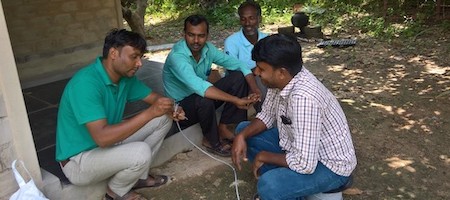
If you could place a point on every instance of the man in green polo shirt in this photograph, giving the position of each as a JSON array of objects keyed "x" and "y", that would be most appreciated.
[
  {"x": 185, "y": 75},
  {"x": 93, "y": 142}
]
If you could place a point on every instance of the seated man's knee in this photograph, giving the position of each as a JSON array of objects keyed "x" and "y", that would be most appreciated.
[
  {"x": 207, "y": 104},
  {"x": 142, "y": 152},
  {"x": 166, "y": 120},
  {"x": 162, "y": 124},
  {"x": 236, "y": 77},
  {"x": 162, "y": 120},
  {"x": 241, "y": 126},
  {"x": 267, "y": 187}
]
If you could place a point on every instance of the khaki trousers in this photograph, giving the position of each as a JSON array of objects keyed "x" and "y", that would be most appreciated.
[{"x": 124, "y": 163}]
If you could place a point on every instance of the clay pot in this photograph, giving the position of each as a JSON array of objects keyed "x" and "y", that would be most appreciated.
[{"x": 300, "y": 20}]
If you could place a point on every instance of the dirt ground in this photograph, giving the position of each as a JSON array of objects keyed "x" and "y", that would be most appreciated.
[{"x": 396, "y": 98}]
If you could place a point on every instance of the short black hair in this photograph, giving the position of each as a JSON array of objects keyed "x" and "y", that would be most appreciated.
[
  {"x": 196, "y": 20},
  {"x": 118, "y": 38},
  {"x": 250, "y": 3},
  {"x": 280, "y": 51}
]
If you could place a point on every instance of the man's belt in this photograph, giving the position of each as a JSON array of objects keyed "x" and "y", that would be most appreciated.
[{"x": 64, "y": 162}]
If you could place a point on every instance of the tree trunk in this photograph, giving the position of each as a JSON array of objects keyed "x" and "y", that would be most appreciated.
[
  {"x": 438, "y": 13},
  {"x": 134, "y": 12},
  {"x": 385, "y": 8}
]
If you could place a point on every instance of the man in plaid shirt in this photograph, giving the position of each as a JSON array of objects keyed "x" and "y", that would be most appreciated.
[{"x": 300, "y": 143}]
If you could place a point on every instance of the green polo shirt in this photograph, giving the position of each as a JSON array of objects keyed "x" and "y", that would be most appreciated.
[
  {"x": 183, "y": 75},
  {"x": 89, "y": 96}
]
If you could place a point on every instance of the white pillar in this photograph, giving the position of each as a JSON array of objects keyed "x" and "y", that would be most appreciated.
[{"x": 16, "y": 140}]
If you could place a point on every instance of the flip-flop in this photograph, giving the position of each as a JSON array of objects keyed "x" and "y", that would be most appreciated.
[
  {"x": 128, "y": 195},
  {"x": 228, "y": 141},
  {"x": 158, "y": 179},
  {"x": 220, "y": 150}
]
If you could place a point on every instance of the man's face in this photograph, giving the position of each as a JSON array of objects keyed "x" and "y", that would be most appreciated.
[
  {"x": 269, "y": 75},
  {"x": 126, "y": 61},
  {"x": 249, "y": 20},
  {"x": 196, "y": 37}
]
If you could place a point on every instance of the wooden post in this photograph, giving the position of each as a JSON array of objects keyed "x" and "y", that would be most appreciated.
[{"x": 439, "y": 9}]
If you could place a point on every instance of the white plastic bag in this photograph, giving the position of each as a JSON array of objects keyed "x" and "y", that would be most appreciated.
[{"x": 27, "y": 191}]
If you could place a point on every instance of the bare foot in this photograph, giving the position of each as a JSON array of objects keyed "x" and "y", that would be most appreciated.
[{"x": 225, "y": 132}]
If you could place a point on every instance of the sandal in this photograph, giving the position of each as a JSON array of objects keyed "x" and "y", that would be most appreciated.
[
  {"x": 228, "y": 141},
  {"x": 131, "y": 195},
  {"x": 223, "y": 150},
  {"x": 157, "y": 179}
]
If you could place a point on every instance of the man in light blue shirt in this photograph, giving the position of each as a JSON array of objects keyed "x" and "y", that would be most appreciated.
[
  {"x": 240, "y": 44},
  {"x": 185, "y": 75}
]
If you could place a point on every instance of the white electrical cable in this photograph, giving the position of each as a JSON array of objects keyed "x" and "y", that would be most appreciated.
[{"x": 219, "y": 160}]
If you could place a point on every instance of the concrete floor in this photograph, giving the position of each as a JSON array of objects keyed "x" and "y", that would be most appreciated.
[{"x": 42, "y": 107}]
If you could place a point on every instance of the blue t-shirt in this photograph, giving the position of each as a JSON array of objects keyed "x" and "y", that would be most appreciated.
[
  {"x": 89, "y": 96},
  {"x": 183, "y": 76},
  {"x": 238, "y": 46}
]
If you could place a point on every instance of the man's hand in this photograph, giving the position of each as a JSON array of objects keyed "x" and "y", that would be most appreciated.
[
  {"x": 239, "y": 151},
  {"x": 161, "y": 106},
  {"x": 256, "y": 91},
  {"x": 255, "y": 97},
  {"x": 178, "y": 113},
  {"x": 265, "y": 157},
  {"x": 251, "y": 81},
  {"x": 245, "y": 102},
  {"x": 257, "y": 163}
]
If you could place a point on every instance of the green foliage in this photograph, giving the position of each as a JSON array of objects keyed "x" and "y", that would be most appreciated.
[
  {"x": 368, "y": 24},
  {"x": 223, "y": 14},
  {"x": 364, "y": 16},
  {"x": 446, "y": 26},
  {"x": 403, "y": 18},
  {"x": 412, "y": 29}
]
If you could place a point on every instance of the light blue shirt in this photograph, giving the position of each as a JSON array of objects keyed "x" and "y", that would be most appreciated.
[
  {"x": 239, "y": 47},
  {"x": 183, "y": 76}
]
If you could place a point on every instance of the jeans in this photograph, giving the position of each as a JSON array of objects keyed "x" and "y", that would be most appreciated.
[{"x": 277, "y": 182}]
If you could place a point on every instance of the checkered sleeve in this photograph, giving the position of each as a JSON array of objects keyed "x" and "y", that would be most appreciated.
[{"x": 268, "y": 111}]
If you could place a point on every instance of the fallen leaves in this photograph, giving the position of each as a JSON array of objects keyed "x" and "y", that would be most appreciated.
[{"x": 352, "y": 191}]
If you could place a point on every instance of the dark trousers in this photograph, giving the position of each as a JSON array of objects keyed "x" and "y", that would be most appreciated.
[{"x": 203, "y": 110}]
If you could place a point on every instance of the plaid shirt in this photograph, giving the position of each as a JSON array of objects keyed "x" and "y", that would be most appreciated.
[{"x": 315, "y": 127}]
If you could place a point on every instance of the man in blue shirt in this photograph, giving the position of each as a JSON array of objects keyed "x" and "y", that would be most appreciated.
[
  {"x": 240, "y": 44},
  {"x": 93, "y": 142},
  {"x": 185, "y": 74}
]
